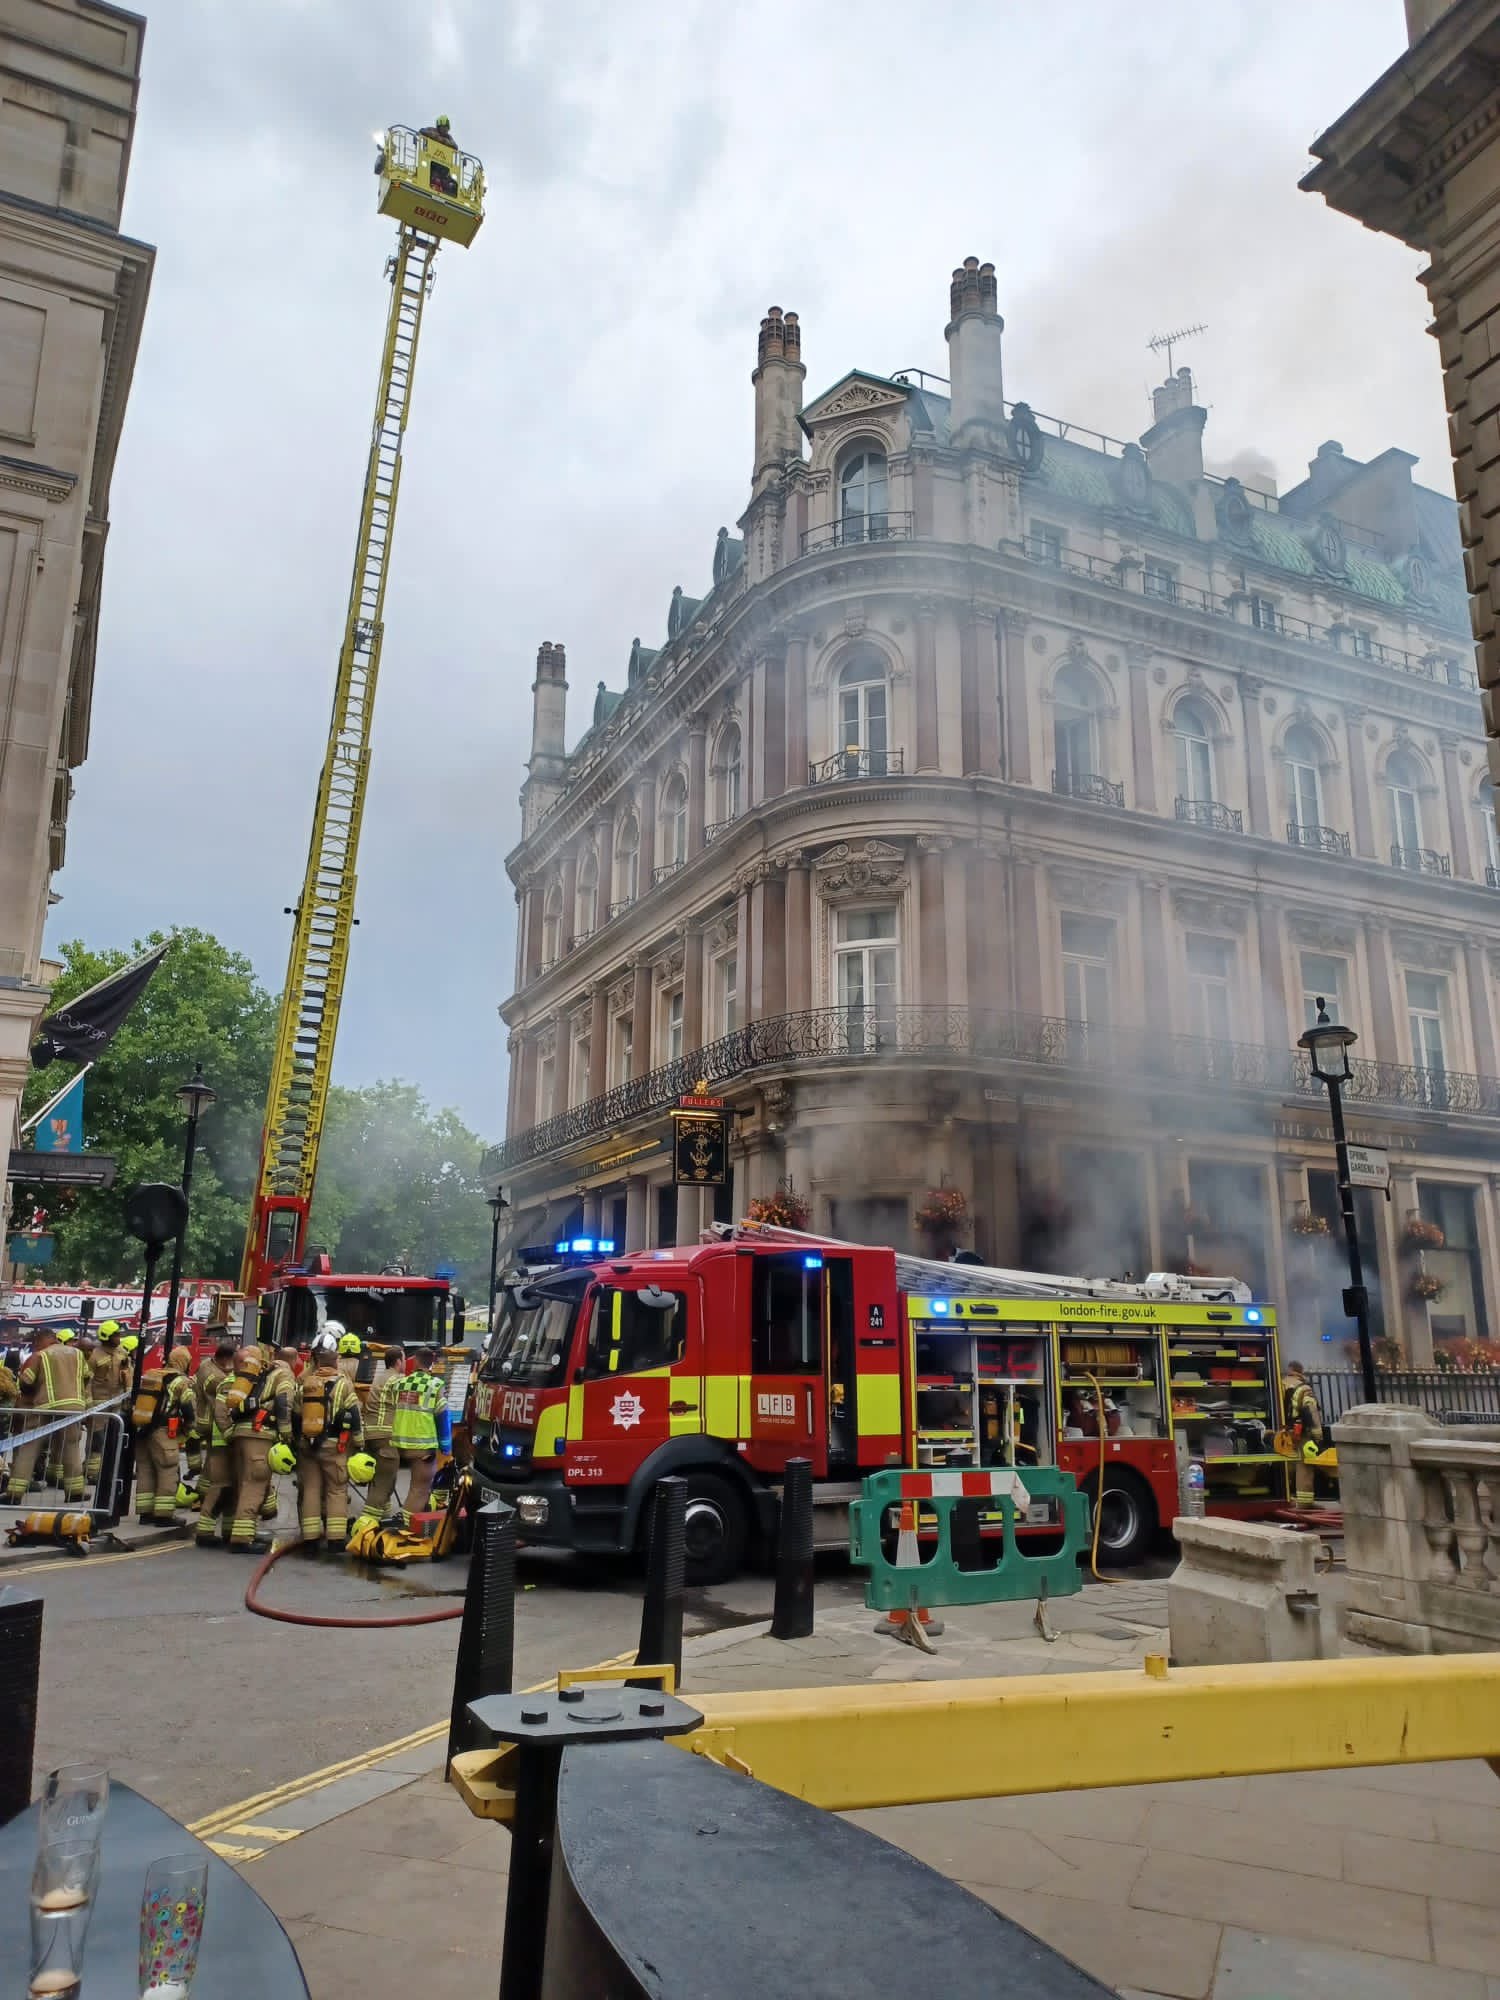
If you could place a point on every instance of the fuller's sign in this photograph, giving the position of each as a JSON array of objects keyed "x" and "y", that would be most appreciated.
[{"x": 700, "y": 1139}]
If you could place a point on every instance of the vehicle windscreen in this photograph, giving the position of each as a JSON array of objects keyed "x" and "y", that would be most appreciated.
[
  {"x": 374, "y": 1312},
  {"x": 530, "y": 1343}
]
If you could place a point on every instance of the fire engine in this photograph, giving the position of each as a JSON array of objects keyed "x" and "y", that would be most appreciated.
[{"x": 719, "y": 1362}]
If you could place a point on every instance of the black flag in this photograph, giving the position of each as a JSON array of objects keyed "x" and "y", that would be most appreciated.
[{"x": 85, "y": 1027}]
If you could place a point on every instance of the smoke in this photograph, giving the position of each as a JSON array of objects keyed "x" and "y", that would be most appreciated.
[{"x": 1251, "y": 468}]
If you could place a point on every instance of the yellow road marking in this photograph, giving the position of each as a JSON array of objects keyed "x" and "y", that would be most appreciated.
[{"x": 85, "y": 1563}]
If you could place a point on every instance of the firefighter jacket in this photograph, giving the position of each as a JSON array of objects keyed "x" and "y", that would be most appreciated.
[
  {"x": 10, "y": 1388},
  {"x": 380, "y": 1411},
  {"x": 326, "y": 1413},
  {"x": 164, "y": 1402},
  {"x": 418, "y": 1401},
  {"x": 1303, "y": 1416},
  {"x": 109, "y": 1373},
  {"x": 56, "y": 1378},
  {"x": 263, "y": 1410},
  {"x": 207, "y": 1384}
]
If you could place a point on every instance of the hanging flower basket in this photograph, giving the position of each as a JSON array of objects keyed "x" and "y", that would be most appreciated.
[
  {"x": 783, "y": 1210},
  {"x": 1420, "y": 1234},
  {"x": 944, "y": 1212},
  {"x": 1306, "y": 1223},
  {"x": 1389, "y": 1353},
  {"x": 1427, "y": 1285}
]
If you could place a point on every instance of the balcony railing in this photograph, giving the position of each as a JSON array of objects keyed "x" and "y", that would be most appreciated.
[
  {"x": 618, "y": 909},
  {"x": 857, "y": 530},
  {"x": 1492, "y": 876},
  {"x": 1420, "y": 860},
  {"x": 664, "y": 871},
  {"x": 1208, "y": 812},
  {"x": 856, "y": 764},
  {"x": 992, "y": 1041},
  {"x": 1326, "y": 839},
  {"x": 719, "y": 826},
  {"x": 1087, "y": 785}
]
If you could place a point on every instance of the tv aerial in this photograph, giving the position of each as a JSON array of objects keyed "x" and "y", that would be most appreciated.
[{"x": 1160, "y": 341}]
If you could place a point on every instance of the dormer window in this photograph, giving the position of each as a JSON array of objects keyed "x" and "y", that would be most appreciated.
[{"x": 863, "y": 504}]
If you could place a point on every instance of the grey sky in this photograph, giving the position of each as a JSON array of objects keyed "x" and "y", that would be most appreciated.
[{"x": 581, "y": 423}]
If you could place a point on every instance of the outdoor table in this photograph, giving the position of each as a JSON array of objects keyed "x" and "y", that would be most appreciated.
[{"x": 245, "y": 1954}]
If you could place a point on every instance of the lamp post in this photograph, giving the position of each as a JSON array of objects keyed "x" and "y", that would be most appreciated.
[
  {"x": 1328, "y": 1044},
  {"x": 194, "y": 1097},
  {"x": 497, "y": 1205}
]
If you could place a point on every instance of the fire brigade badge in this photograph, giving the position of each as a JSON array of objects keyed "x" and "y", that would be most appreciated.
[{"x": 627, "y": 1409}]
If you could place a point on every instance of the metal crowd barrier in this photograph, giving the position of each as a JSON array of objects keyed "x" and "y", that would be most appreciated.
[{"x": 102, "y": 1430}]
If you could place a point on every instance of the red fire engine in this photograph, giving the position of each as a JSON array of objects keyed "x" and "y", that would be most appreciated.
[{"x": 721, "y": 1362}]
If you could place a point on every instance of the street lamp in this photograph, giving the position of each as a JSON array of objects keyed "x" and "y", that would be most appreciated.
[
  {"x": 1328, "y": 1044},
  {"x": 497, "y": 1205},
  {"x": 194, "y": 1097}
]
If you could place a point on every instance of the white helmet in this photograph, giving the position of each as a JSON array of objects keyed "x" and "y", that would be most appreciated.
[
  {"x": 326, "y": 1342},
  {"x": 334, "y": 1328}
]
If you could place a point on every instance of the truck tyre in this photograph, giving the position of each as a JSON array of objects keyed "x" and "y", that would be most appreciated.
[
  {"x": 1128, "y": 1524},
  {"x": 716, "y": 1530}
]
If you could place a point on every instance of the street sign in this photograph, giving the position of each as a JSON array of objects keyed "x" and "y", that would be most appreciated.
[{"x": 1370, "y": 1166}]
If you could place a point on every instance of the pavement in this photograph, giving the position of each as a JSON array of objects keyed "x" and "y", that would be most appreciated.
[{"x": 1380, "y": 1884}]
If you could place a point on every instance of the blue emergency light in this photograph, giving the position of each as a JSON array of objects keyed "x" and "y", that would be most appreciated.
[
  {"x": 939, "y": 1305},
  {"x": 812, "y": 1263},
  {"x": 1253, "y": 1315}
]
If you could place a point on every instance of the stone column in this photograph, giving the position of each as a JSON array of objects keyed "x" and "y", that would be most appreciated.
[
  {"x": 645, "y": 813},
  {"x": 796, "y": 709},
  {"x": 1291, "y": 1182},
  {"x": 591, "y": 1212},
  {"x": 1251, "y": 690},
  {"x": 931, "y": 929},
  {"x": 604, "y": 841},
  {"x": 692, "y": 989},
  {"x": 984, "y": 905},
  {"x": 748, "y": 946},
  {"x": 968, "y": 694},
  {"x": 598, "y": 1041},
  {"x": 512, "y": 1081},
  {"x": 636, "y": 1193},
  {"x": 535, "y": 899},
  {"x": 526, "y": 1091},
  {"x": 1458, "y": 817},
  {"x": 1027, "y": 940},
  {"x": 985, "y": 640},
  {"x": 799, "y": 987},
  {"x": 569, "y": 902},
  {"x": 641, "y": 1023},
  {"x": 1273, "y": 975},
  {"x": 922, "y": 513},
  {"x": 1382, "y": 991},
  {"x": 1015, "y": 696},
  {"x": 774, "y": 672},
  {"x": 926, "y": 695},
  {"x": 1142, "y": 739},
  {"x": 1477, "y": 978},
  {"x": 697, "y": 786},
  {"x": 1359, "y": 782},
  {"x": 768, "y": 903},
  {"x": 1157, "y": 966},
  {"x": 957, "y": 940}
]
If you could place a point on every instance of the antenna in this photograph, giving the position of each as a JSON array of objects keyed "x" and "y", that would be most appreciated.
[{"x": 1158, "y": 341}]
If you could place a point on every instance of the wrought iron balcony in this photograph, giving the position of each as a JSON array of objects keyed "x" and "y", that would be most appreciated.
[
  {"x": 856, "y": 764},
  {"x": 1326, "y": 839},
  {"x": 1208, "y": 812},
  {"x": 1420, "y": 860},
  {"x": 665, "y": 870},
  {"x": 856, "y": 530},
  {"x": 1492, "y": 876},
  {"x": 991, "y": 1043},
  {"x": 1087, "y": 785},
  {"x": 718, "y": 826}
]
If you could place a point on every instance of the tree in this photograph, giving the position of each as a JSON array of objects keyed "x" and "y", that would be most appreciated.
[
  {"x": 397, "y": 1179},
  {"x": 203, "y": 1005}
]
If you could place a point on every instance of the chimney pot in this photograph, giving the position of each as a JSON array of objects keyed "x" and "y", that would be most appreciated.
[{"x": 772, "y": 336}]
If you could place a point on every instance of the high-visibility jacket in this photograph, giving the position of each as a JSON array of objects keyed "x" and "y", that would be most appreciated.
[
  {"x": 109, "y": 1373},
  {"x": 420, "y": 1398},
  {"x": 343, "y": 1424},
  {"x": 57, "y": 1377},
  {"x": 1302, "y": 1412},
  {"x": 171, "y": 1406},
  {"x": 206, "y": 1386},
  {"x": 380, "y": 1411},
  {"x": 10, "y": 1388}
]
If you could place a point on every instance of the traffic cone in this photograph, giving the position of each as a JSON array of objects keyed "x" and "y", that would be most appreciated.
[{"x": 916, "y": 1625}]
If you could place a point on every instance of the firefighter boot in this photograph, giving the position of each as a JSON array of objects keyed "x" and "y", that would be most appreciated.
[{"x": 252, "y": 1473}]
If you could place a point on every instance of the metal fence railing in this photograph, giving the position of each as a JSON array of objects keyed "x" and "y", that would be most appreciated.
[
  {"x": 69, "y": 1461},
  {"x": 1448, "y": 1394}
]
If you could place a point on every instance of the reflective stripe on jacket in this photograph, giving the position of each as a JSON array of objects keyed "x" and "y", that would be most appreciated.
[
  {"x": 56, "y": 1378},
  {"x": 415, "y": 1421}
]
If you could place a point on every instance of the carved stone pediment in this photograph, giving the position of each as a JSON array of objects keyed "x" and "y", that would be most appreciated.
[
  {"x": 721, "y": 933},
  {"x": 860, "y": 868},
  {"x": 1425, "y": 954},
  {"x": 1080, "y": 889},
  {"x": 856, "y": 396},
  {"x": 546, "y": 1040},
  {"x": 1207, "y": 912},
  {"x": 619, "y": 996},
  {"x": 1323, "y": 933}
]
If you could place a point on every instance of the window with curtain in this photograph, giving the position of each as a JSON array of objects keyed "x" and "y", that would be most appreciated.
[
  {"x": 864, "y": 715},
  {"x": 1489, "y": 834},
  {"x": 863, "y": 507},
  {"x": 586, "y": 912},
  {"x": 672, "y": 1016},
  {"x": 1087, "y": 951},
  {"x": 1426, "y": 995},
  {"x": 552, "y": 916},
  {"x": 1403, "y": 780},
  {"x": 865, "y": 971},
  {"x": 1304, "y": 778},
  {"x": 627, "y": 859},
  {"x": 1075, "y": 727},
  {"x": 1326, "y": 979},
  {"x": 1210, "y": 967},
  {"x": 727, "y": 992},
  {"x": 674, "y": 820},
  {"x": 727, "y": 775},
  {"x": 1193, "y": 744}
]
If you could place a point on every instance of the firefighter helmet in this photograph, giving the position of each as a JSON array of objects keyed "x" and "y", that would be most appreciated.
[
  {"x": 362, "y": 1468},
  {"x": 281, "y": 1458}
]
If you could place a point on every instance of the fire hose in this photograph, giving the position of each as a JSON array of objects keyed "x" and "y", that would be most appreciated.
[{"x": 269, "y": 1561}]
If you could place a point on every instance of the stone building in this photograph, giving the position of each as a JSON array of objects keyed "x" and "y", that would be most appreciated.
[
  {"x": 72, "y": 300},
  {"x": 994, "y": 820}
]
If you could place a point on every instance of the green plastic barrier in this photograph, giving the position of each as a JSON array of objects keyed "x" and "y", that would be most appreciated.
[{"x": 936, "y": 1577}]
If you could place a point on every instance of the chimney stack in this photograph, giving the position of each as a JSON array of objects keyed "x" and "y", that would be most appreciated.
[
  {"x": 549, "y": 707},
  {"x": 777, "y": 380},
  {"x": 973, "y": 334},
  {"x": 1174, "y": 443}
]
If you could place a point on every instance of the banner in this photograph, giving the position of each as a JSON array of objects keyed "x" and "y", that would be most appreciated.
[
  {"x": 82, "y": 1028},
  {"x": 60, "y": 1128}
]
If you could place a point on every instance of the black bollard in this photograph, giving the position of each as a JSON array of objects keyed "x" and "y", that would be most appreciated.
[
  {"x": 20, "y": 1679},
  {"x": 487, "y": 1633},
  {"x": 666, "y": 1557},
  {"x": 792, "y": 1617}
]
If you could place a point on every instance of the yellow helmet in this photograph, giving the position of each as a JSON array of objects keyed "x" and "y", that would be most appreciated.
[
  {"x": 281, "y": 1458},
  {"x": 349, "y": 1343},
  {"x": 108, "y": 1329},
  {"x": 66, "y": 1332},
  {"x": 130, "y": 1342},
  {"x": 1311, "y": 1449},
  {"x": 362, "y": 1468}
]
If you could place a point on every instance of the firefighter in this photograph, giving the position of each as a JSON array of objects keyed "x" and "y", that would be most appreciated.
[
  {"x": 163, "y": 1417},
  {"x": 286, "y": 1370},
  {"x": 328, "y": 1426},
  {"x": 1305, "y": 1422},
  {"x": 414, "y": 1430},
  {"x": 380, "y": 1420},
  {"x": 215, "y": 1371},
  {"x": 109, "y": 1377},
  {"x": 254, "y": 1412},
  {"x": 350, "y": 1349},
  {"x": 53, "y": 1381}
]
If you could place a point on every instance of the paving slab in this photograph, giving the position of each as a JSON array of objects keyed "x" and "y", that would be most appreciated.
[
  {"x": 1254, "y": 1966},
  {"x": 1172, "y": 1956},
  {"x": 1466, "y": 1936},
  {"x": 1429, "y": 1868},
  {"x": 1280, "y": 1901}
]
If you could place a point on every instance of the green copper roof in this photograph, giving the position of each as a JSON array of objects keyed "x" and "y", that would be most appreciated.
[
  {"x": 1081, "y": 475},
  {"x": 1278, "y": 545},
  {"x": 1171, "y": 510},
  {"x": 1372, "y": 578}
]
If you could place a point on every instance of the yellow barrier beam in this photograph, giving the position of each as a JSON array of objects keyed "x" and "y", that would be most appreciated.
[{"x": 919, "y": 1742}]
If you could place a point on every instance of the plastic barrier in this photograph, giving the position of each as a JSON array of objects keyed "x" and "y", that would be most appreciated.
[{"x": 935, "y": 1577}]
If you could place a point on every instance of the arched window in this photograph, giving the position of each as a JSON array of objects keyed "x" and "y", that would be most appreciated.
[
  {"x": 586, "y": 900},
  {"x": 1403, "y": 777},
  {"x": 1489, "y": 833},
  {"x": 727, "y": 775},
  {"x": 1193, "y": 740},
  {"x": 552, "y": 916},
  {"x": 862, "y": 498},
  {"x": 1304, "y": 782},
  {"x": 627, "y": 861},
  {"x": 1075, "y": 731},
  {"x": 674, "y": 821},
  {"x": 864, "y": 717}
]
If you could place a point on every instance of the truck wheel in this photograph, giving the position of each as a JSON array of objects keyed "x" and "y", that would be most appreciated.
[
  {"x": 1128, "y": 1520},
  {"x": 716, "y": 1530}
]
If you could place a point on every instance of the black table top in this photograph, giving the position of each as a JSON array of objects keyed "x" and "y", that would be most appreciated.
[{"x": 245, "y": 1954}]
